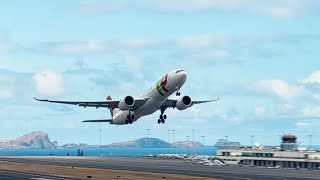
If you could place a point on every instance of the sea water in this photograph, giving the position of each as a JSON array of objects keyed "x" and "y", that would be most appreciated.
[{"x": 109, "y": 151}]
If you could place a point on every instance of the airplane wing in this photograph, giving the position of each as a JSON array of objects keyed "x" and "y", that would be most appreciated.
[
  {"x": 106, "y": 103},
  {"x": 171, "y": 103},
  {"x": 100, "y": 120}
]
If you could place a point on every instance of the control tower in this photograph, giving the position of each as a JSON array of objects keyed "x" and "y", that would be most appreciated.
[{"x": 289, "y": 143}]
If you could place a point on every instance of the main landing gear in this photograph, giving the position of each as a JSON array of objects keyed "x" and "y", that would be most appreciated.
[
  {"x": 162, "y": 117},
  {"x": 130, "y": 118}
]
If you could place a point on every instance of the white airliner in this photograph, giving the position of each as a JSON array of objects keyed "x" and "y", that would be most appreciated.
[{"x": 128, "y": 109}]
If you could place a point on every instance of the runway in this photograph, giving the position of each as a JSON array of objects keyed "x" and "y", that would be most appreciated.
[
  {"x": 152, "y": 164},
  {"x": 10, "y": 175}
]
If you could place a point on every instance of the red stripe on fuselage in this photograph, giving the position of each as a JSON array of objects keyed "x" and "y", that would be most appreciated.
[{"x": 164, "y": 82}]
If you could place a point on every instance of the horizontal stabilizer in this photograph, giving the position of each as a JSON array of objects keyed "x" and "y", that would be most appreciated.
[{"x": 99, "y": 120}]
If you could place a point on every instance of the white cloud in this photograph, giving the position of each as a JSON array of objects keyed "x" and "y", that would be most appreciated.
[
  {"x": 2, "y": 45},
  {"x": 5, "y": 93},
  {"x": 69, "y": 124},
  {"x": 136, "y": 43},
  {"x": 49, "y": 83},
  {"x": 311, "y": 111},
  {"x": 274, "y": 8},
  {"x": 220, "y": 54},
  {"x": 88, "y": 47},
  {"x": 258, "y": 110},
  {"x": 312, "y": 84},
  {"x": 84, "y": 47},
  {"x": 202, "y": 41},
  {"x": 200, "y": 5},
  {"x": 101, "y": 6},
  {"x": 282, "y": 12},
  {"x": 133, "y": 62},
  {"x": 127, "y": 87},
  {"x": 313, "y": 78},
  {"x": 278, "y": 88},
  {"x": 302, "y": 125},
  {"x": 6, "y": 85}
]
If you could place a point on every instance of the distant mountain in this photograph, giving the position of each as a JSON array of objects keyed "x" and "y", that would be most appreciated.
[
  {"x": 41, "y": 140},
  {"x": 81, "y": 145},
  {"x": 34, "y": 140},
  {"x": 142, "y": 143},
  {"x": 225, "y": 142},
  {"x": 187, "y": 144},
  {"x": 71, "y": 145}
]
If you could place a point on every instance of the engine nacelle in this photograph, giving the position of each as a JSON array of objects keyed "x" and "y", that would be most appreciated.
[
  {"x": 183, "y": 103},
  {"x": 126, "y": 103}
]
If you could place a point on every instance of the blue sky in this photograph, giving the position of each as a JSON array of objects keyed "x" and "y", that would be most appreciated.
[{"x": 260, "y": 58}]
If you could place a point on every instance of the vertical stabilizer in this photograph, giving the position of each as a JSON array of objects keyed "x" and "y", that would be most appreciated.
[{"x": 113, "y": 110}]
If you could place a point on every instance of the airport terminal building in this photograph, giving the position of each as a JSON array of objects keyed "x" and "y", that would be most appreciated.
[{"x": 287, "y": 156}]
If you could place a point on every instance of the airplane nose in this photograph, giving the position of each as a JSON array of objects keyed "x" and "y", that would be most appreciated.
[{"x": 183, "y": 76}]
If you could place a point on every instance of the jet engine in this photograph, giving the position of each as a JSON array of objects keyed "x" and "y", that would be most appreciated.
[
  {"x": 126, "y": 103},
  {"x": 183, "y": 103}
]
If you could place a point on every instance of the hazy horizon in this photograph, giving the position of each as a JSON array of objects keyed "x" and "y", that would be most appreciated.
[{"x": 260, "y": 58}]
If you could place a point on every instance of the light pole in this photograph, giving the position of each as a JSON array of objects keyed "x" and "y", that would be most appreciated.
[
  {"x": 188, "y": 144},
  {"x": 148, "y": 133},
  {"x": 203, "y": 139},
  {"x": 310, "y": 140},
  {"x": 193, "y": 131},
  {"x": 173, "y": 135},
  {"x": 280, "y": 139},
  {"x": 252, "y": 139},
  {"x": 226, "y": 137},
  {"x": 100, "y": 142},
  {"x": 169, "y": 135}
]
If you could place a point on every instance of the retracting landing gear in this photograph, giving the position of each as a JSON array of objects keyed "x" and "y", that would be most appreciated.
[
  {"x": 162, "y": 117},
  {"x": 130, "y": 118}
]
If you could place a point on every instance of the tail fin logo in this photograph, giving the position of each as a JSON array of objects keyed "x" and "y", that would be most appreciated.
[{"x": 161, "y": 85}]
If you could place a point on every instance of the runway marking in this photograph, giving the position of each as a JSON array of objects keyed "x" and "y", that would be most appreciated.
[
  {"x": 40, "y": 177},
  {"x": 281, "y": 178}
]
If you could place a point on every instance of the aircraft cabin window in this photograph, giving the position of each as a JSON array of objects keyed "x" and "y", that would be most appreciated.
[{"x": 178, "y": 71}]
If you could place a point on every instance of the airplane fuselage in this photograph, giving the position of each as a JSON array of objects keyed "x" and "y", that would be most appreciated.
[{"x": 156, "y": 95}]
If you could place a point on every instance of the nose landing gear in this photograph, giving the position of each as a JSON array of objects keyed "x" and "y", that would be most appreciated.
[{"x": 177, "y": 91}]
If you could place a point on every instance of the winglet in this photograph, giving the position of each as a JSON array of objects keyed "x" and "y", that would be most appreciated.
[
  {"x": 39, "y": 99},
  {"x": 214, "y": 99}
]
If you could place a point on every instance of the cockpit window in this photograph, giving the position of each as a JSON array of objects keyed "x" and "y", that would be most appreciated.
[{"x": 179, "y": 71}]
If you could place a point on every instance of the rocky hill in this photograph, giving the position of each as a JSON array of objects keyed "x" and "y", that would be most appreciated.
[
  {"x": 41, "y": 140},
  {"x": 143, "y": 143},
  {"x": 34, "y": 140},
  {"x": 225, "y": 142},
  {"x": 81, "y": 145},
  {"x": 187, "y": 144}
]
